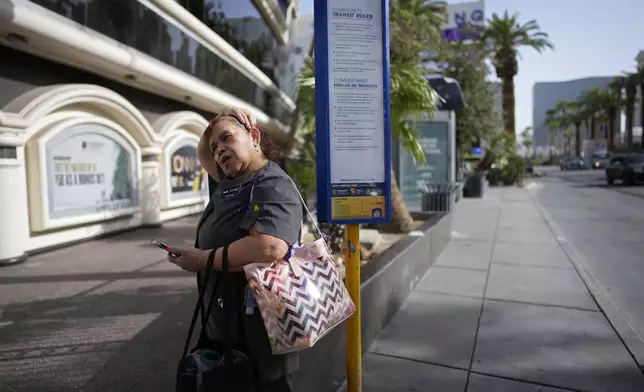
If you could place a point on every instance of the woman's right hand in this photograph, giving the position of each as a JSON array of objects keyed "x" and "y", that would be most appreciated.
[{"x": 244, "y": 116}]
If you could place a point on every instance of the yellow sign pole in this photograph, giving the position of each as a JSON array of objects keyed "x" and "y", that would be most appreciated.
[{"x": 354, "y": 333}]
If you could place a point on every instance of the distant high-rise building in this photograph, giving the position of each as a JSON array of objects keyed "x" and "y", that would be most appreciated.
[{"x": 546, "y": 95}]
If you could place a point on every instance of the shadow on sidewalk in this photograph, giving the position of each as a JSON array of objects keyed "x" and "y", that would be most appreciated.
[
  {"x": 128, "y": 340},
  {"x": 102, "y": 315}
]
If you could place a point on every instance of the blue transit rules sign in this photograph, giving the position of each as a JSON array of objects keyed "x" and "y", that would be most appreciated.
[{"x": 352, "y": 111}]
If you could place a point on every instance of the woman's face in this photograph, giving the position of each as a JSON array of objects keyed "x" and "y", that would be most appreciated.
[{"x": 233, "y": 146}]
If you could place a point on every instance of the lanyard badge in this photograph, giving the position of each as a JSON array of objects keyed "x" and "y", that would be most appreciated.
[{"x": 250, "y": 301}]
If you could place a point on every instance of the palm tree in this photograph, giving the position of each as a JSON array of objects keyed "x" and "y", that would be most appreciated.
[
  {"x": 639, "y": 76},
  {"x": 414, "y": 27},
  {"x": 558, "y": 119},
  {"x": 592, "y": 107},
  {"x": 630, "y": 86},
  {"x": 612, "y": 103},
  {"x": 553, "y": 121},
  {"x": 569, "y": 134},
  {"x": 526, "y": 139},
  {"x": 465, "y": 61},
  {"x": 303, "y": 117},
  {"x": 618, "y": 85},
  {"x": 506, "y": 36},
  {"x": 575, "y": 116}
]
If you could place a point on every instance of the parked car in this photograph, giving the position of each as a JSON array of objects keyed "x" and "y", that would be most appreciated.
[
  {"x": 627, "y": 168},
  {"x": 572, "y": 163},
  {"x": 600, "y": 160}
]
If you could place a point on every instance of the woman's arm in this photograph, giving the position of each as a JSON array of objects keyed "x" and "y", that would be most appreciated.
[
  {"x": 254, "y": 248},
  {"x": 207, "y": 160},
  {"x": 272, "y": 224}
]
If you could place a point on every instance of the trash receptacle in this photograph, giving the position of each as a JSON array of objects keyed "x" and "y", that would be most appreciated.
[
  {"x": 475, "y": 184},
  {"x": 438, "y": 197}
]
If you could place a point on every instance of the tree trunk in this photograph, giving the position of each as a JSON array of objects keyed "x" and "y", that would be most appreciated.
[
  {"x": 630, "y": 108},
  {"x": 611, "y": 133},
  {"x": 401, "y": 220},
  {"x": 578, "y": 139},
  {"x": 641, "y": 109},
  {"x": 508, "y": 105},
  {"x": 592, "y": 128}
]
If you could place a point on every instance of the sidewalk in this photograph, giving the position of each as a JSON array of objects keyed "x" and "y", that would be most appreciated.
[
  {"x": 108, "y": 315},
  {"x": 502, "y": 310}
]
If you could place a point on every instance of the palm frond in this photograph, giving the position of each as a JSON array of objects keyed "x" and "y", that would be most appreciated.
[{"x": 504, "y": 35}]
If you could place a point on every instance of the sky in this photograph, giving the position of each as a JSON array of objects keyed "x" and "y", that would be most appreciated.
[{"x": 591, "y": 38}]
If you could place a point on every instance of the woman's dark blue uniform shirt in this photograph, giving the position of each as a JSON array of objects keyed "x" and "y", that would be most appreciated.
[{"x": 268, "y": 200}]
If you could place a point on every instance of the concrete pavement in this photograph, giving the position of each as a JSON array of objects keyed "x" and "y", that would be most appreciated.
[
  {"x": 503, "y": 309},
  {"x": 603, "y": 230},
  {"x": 106, "y": 315}
]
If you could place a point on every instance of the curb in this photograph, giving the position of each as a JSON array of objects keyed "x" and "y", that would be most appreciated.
[{"x": 621, "y": 325}]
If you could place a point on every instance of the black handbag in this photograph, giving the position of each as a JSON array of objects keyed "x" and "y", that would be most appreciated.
[{"x": 214, "y": 366}]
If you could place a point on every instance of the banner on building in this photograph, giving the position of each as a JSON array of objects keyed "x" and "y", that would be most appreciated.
[
  {"x": 90, "y": 173},
  {"x": 187, "y": 178},
  {"x": 434, "y": 139}
]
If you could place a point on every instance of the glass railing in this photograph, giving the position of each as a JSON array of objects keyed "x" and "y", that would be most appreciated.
[
  {"x": 240, "y": 23},
  {"x": 135, "y": 25}
]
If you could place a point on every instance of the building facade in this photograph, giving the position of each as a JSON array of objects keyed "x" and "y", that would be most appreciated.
[
  {"x": 102, "y": 104},
  {"x": 546, "y": 95}
]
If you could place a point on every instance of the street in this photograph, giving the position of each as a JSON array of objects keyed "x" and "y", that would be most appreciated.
[
  {"x": 603, "y": 227},
  {"x": 595, "y": 179}
]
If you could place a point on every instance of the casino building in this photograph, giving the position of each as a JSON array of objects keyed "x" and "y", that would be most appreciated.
[{"x": 102, "y": 103}]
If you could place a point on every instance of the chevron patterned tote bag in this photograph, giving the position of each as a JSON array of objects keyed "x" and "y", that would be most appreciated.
[{"x": 302, "y": 297}]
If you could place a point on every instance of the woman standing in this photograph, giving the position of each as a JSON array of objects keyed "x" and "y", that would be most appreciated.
[{"x": 256, "y": 211}]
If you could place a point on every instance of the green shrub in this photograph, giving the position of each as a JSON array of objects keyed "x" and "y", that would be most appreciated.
[
  {"x": 303, "y": 174},
  {"x": 507, "y": 170},
  {"x": 494, "y": 177},
  {"x": 514, "y": 170}
]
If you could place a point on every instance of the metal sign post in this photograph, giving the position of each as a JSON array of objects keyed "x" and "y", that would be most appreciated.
[{"x": 353, "y": 134}]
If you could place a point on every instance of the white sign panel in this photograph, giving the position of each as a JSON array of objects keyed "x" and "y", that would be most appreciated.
[
  {"x": 356, "y": 111},
  {"x": 90, "y": 173},
  {"x": 460, "y": 14}
]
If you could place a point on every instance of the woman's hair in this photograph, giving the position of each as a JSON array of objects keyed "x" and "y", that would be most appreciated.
[{"x": 269, "y": 149}]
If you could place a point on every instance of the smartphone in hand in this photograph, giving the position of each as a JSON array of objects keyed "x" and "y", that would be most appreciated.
[{"x": 162, "y": 245}]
